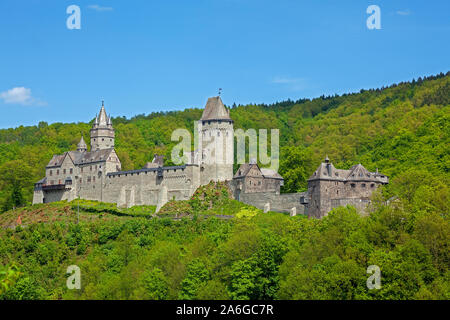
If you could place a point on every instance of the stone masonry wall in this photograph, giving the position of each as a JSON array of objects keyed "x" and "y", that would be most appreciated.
[{"x": 278, "y": 202}]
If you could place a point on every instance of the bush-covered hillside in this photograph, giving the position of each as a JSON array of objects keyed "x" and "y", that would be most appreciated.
[{"x": 267, "y": 256}]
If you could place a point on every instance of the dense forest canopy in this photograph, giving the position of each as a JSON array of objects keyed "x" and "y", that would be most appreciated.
[{"x": 402, "y": 130}]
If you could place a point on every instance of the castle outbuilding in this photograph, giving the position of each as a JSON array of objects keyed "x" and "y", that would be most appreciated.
[{"x": 329, "y": 188}]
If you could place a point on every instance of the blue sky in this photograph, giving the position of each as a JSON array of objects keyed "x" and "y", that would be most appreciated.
[{"x": 144, "y": 56}]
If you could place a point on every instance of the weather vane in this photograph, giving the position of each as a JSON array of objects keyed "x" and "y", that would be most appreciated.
[{"x": 220, "y": 91}]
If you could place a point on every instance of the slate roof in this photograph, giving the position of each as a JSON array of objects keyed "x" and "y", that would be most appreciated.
[
  {"x": 215, "y": 110},
  {"x": 327, "y": 171},
  {"x": 42, "y": 181},
  {"x": 78, "y": 157},
  {"x": 245, "y": 168},
  {"x": 269, "y": 173}
]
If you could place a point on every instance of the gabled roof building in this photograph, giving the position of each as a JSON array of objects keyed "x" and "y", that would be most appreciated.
[{"x": 329, "y": 188}]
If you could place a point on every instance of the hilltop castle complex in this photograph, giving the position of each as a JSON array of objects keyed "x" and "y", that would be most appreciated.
[{"x": 97, "y": 175}]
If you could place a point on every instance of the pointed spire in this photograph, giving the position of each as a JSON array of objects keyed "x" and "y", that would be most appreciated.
[
  {"x": 327, "y": 160},
  {"x": 102, "y": 117},
  {"x": 82, "y": 146}
]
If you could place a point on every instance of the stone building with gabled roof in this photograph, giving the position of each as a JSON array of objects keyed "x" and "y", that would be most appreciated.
[
  {"x": 250, "y": 178},
  {"x": 329, "y": 188},
  {"x": 75, "y": 174}
]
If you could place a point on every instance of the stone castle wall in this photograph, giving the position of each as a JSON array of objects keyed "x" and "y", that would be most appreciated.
[
  {"x": 143, "y": 187},
  {"x": 278, "y": 202}
]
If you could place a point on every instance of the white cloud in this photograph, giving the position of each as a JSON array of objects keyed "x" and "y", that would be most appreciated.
[
  {"x": 295, "y": 84},
  {"x": 21, "y": 96},
  {"x": 404, "y": 12},
  {"x": 99, "y": 8}
]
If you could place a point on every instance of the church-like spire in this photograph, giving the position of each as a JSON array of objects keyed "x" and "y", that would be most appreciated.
[
  {"x": 102, "y": 117},
  {"x": 82, "y": 146}
]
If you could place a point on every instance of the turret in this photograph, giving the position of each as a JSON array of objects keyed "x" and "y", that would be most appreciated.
[
  {"x": 82, "y": 146},
  {"x": 102, "y": 132}
]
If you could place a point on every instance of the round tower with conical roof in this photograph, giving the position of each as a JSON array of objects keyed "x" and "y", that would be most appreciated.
[{"x": 102, "y": 132}]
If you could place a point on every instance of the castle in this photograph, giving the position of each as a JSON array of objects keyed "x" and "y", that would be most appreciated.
[{"x": 97, "y": 175}]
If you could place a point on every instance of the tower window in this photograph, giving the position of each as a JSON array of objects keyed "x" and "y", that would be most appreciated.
[
  {"x": 51, "y": 172},
  {"x": 363, "y": 185},
  {"x": 353, "y": 185},
  {"x": 103, "y": 139}
]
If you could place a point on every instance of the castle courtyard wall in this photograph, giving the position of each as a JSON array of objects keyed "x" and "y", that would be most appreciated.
[{"x": 278, "y": 202}]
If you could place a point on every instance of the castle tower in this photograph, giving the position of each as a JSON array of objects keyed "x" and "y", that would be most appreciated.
[
  {"x": 102, "y": 132},
  {"x": 82, "y": 146},
  {"x": 216, "y": 142}
]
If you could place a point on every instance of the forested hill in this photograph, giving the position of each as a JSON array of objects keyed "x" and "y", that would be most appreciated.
[{"x": 403, "y": 130}]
